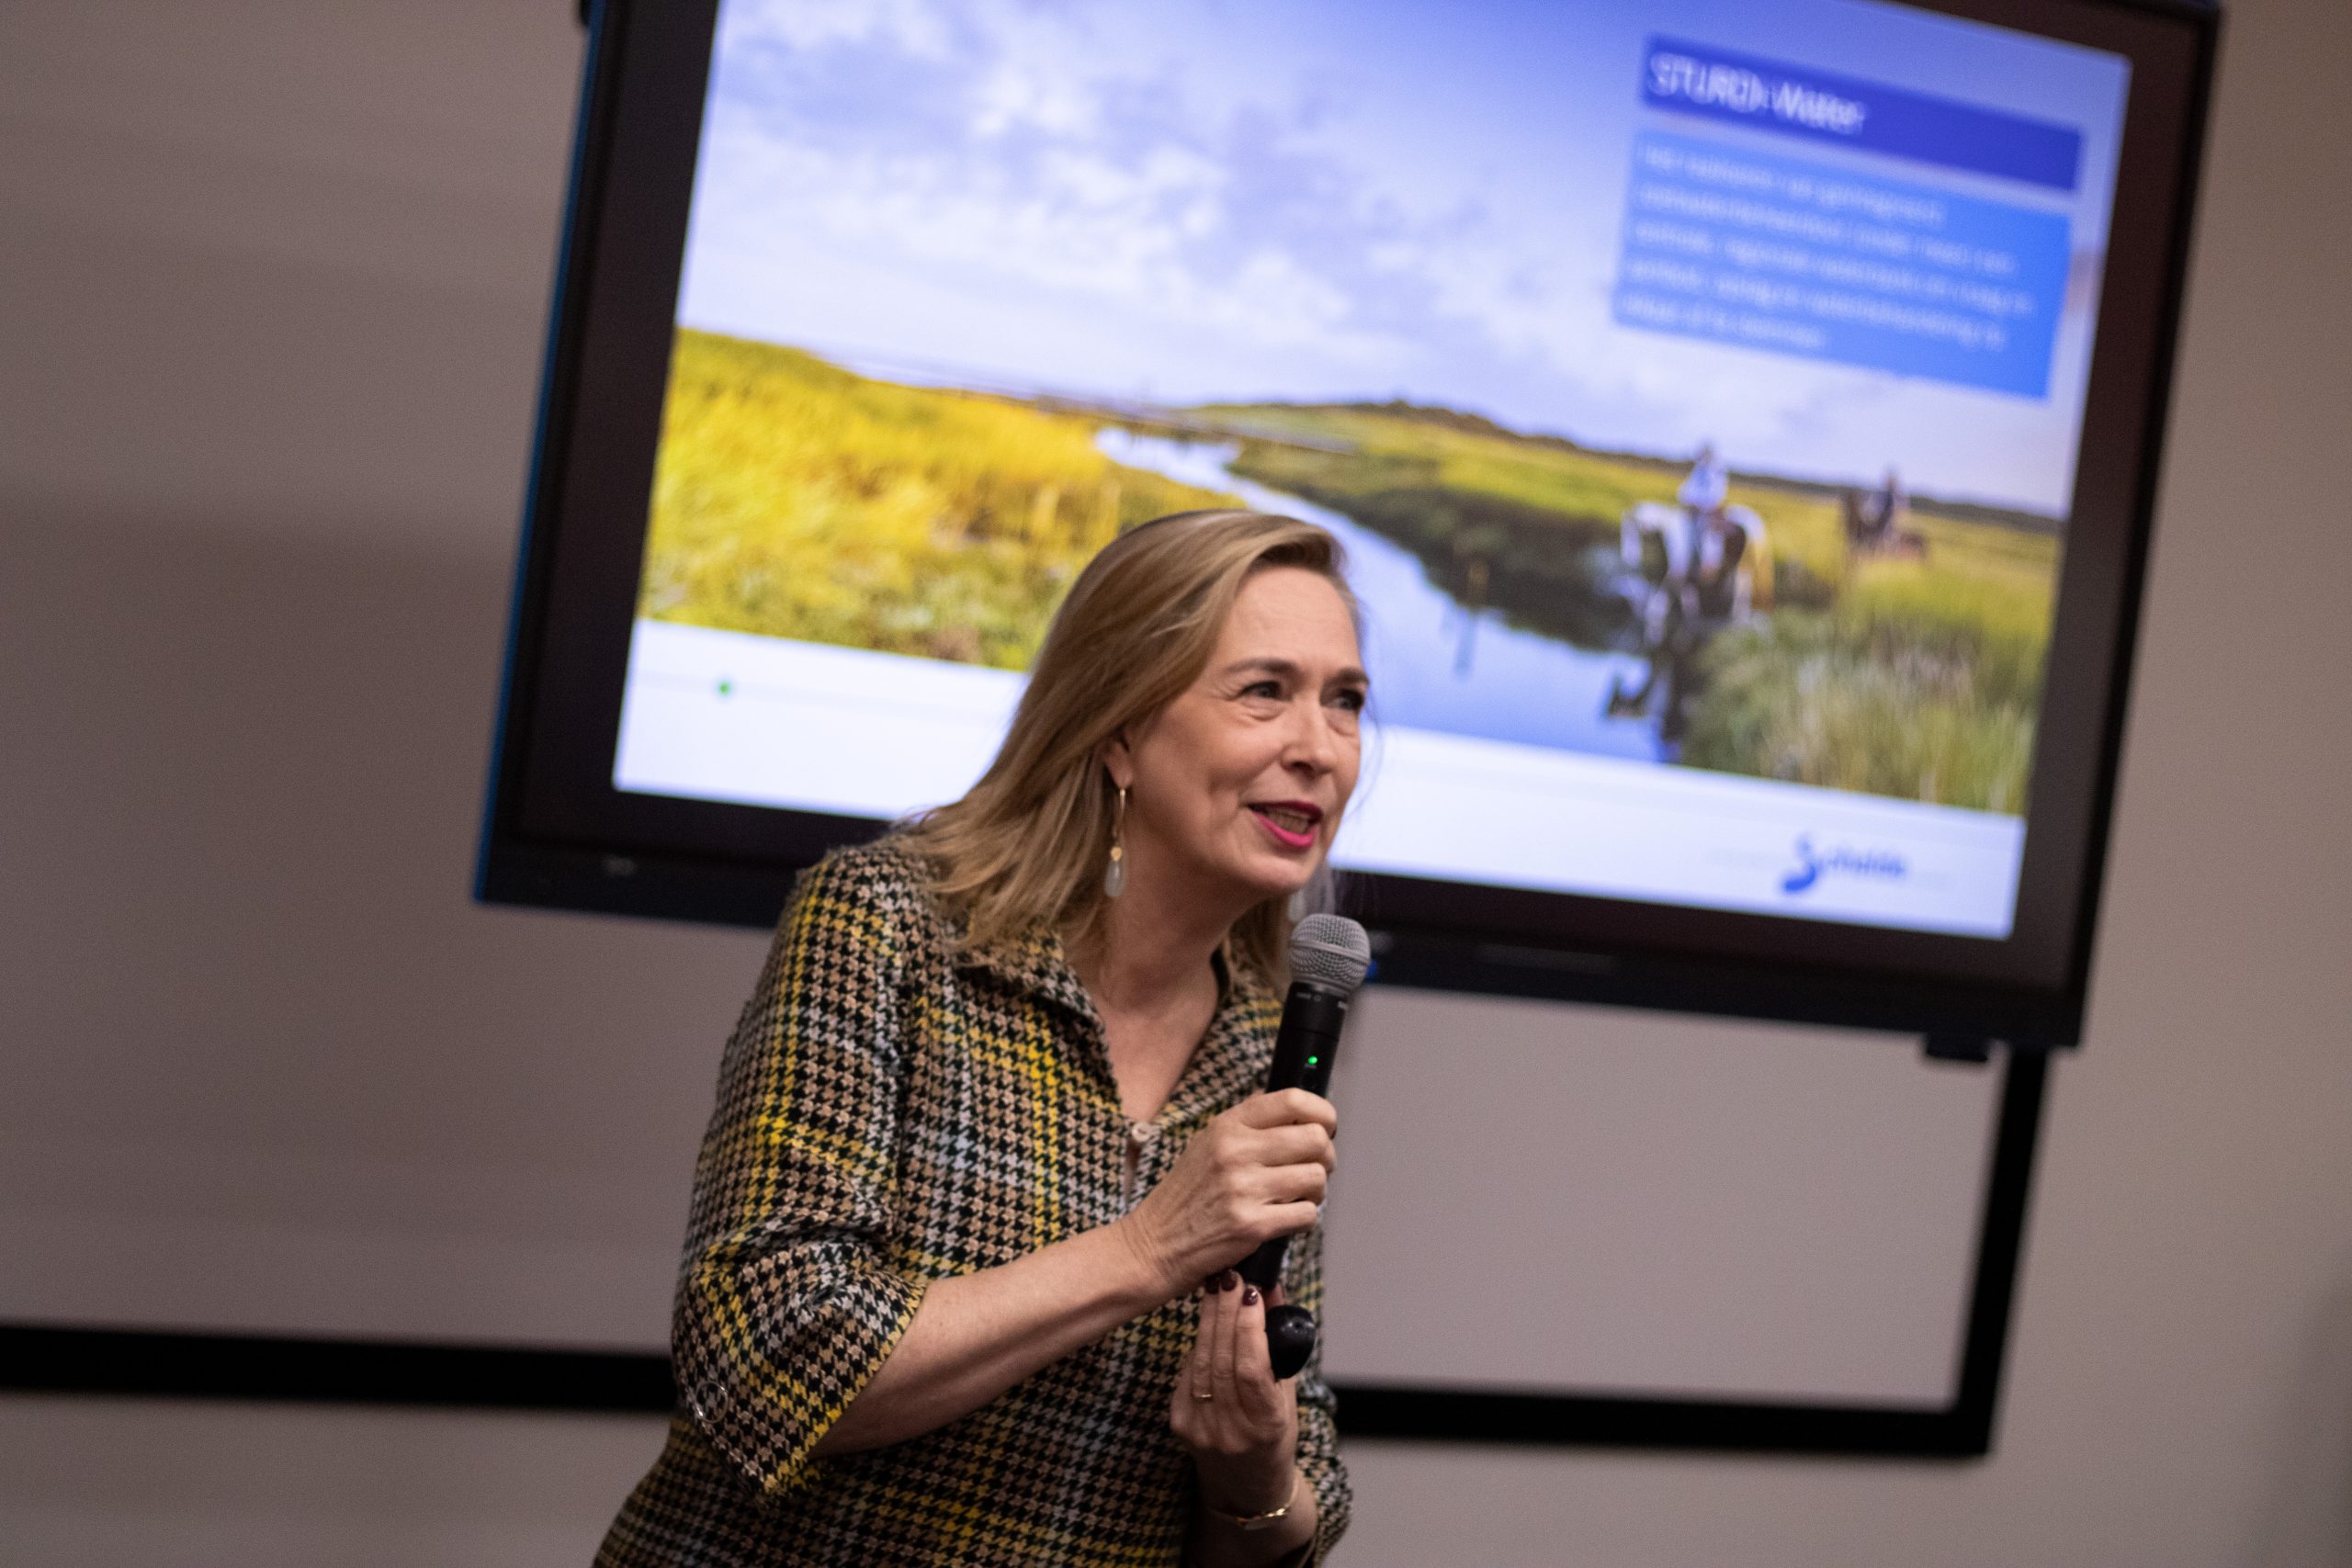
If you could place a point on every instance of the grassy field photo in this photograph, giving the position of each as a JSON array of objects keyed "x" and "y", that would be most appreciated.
[
  {"x": 1919, "y": 678},
  {"x": 795, "y": 498}
]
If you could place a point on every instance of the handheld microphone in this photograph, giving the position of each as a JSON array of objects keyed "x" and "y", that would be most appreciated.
[{"x": 1328, "y": 956}]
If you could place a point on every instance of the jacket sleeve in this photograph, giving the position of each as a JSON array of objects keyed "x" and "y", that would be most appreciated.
[
  {"x": 1319, "y": 1435},
  {"x": 786, "y": 1308}
]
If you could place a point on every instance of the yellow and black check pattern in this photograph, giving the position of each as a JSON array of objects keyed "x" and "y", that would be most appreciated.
[{"x": 892, "y": 1113}]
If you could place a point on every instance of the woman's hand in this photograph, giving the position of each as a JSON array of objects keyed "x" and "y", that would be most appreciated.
[
  {"x": 1255, "y": 1173},
  {"x": 1239, "y": 1424}
]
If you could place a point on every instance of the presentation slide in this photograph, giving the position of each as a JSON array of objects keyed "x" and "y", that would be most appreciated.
[{"x": 1695, "y": 385}]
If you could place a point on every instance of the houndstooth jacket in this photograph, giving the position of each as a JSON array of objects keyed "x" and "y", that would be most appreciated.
[{"x": 890, "y": 1113}]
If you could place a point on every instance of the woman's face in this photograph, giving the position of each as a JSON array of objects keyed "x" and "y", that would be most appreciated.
[{"x": 1235, "y": 788}]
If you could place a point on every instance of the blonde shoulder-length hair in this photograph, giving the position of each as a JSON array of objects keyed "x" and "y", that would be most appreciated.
[{"x": 1025, "y": 850}]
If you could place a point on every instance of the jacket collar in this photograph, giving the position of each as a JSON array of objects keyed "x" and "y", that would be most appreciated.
[
  {"x": 1228, "y": 1064},
  {"x": 1037, "y": 964}
]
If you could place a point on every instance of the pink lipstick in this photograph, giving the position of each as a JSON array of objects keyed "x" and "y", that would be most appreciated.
[{"x": 1292, "y": 823}]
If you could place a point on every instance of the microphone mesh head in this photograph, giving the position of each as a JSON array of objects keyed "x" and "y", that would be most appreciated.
[{"x": 1329, "y": 950}]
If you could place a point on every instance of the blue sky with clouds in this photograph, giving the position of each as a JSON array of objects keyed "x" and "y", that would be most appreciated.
[{"x": 1309, "y": 199}]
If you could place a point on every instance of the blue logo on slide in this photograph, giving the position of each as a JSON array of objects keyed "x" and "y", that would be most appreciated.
[{"x": 1813, "y": 864}]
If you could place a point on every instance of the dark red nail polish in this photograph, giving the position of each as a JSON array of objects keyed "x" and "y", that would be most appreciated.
[
  {"x": 1249, "y": 1296},
  {"x": 1227, "y": 1279}
]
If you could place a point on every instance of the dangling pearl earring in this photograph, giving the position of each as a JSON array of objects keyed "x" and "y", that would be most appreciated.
[{"x": 1114, "y": 875}]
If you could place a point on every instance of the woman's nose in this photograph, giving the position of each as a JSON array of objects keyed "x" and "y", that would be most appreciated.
[{"x": 1314, "y": 742}]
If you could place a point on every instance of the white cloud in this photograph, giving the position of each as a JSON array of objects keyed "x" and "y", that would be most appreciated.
[{"x": 1087, "y": 228}]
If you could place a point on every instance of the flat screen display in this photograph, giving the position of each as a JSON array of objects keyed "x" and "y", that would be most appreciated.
[
  {"x": 1742, "y": 419},
  {"x": 1696, "y": 386}
]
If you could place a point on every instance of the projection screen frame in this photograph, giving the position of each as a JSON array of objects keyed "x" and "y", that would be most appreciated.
[{"x": 557, "y": 833}]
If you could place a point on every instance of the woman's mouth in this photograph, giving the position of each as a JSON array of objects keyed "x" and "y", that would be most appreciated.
[{"x": 1292, "y": 823}]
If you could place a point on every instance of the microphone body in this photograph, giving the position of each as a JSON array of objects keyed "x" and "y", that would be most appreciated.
[
  {"x": 1312, "y": 1017},
  {"x": 1329, "y": 957},
  {"x": 1308, "y": 1039}
]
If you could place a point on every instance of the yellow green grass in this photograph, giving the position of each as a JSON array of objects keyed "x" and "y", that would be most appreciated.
[{"x": 795, "y": 500}]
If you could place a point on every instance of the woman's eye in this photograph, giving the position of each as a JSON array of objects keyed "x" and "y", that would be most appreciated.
[
  {"x": 1262, "y": 689},
  {"x": 1351, "y": 699}
]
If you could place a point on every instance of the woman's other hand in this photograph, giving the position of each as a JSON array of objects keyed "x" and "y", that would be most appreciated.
[
  {"x": 1255, "y": 1173},
  {"x": 1240, "y": 1425}
]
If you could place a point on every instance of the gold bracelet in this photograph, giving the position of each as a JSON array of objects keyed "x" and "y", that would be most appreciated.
[{"x": 1267, "y": 1520}]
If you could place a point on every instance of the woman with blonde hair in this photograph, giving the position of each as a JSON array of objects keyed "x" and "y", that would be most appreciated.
[{"x": 990, "y": 1142}]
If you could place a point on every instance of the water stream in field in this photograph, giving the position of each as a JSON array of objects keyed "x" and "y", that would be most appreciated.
[{"x": 1434, "y": 663}]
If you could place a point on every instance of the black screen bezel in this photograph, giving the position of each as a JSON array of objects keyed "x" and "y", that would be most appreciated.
[{"x": 558, "y": 833}]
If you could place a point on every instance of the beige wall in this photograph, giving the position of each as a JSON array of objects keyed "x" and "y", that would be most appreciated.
[{"x": 271, "y": 288}]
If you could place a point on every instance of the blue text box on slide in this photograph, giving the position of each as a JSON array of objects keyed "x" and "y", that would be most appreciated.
[
  {"x": 1870, "y": 117},
  {"x": 1809, "y": 259}
]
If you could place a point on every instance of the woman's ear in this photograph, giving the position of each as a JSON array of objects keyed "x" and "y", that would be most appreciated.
[{"x": 1119, "y": 761}]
